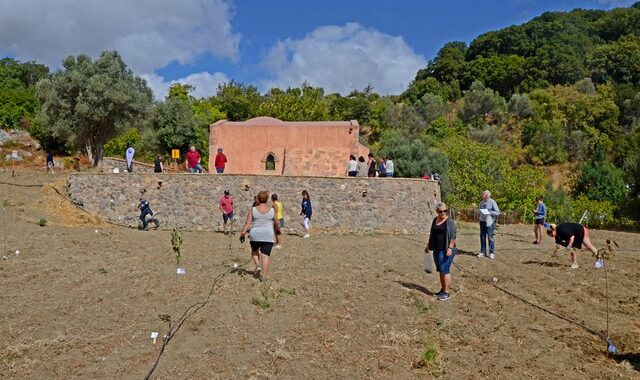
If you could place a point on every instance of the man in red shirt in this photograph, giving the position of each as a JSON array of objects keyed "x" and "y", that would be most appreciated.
[
  {"x": 193, "y": 161},
  {"x": 220, "y": 161},
  {"x": 226, "y": 206}
]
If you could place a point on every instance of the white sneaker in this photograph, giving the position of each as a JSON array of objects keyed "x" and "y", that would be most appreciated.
[
  {"x": 599, "y": 264},
  {"x": 278, "y": 246},
  {"x": 492, "y": 256},
  {"x": 481, "y": 255},
  {"x": 306, "y": 236},
  {"x": 574, "y": 266}
]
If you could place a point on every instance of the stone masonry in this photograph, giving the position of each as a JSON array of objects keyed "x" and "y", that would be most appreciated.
[{"x": 190, "y": 201}]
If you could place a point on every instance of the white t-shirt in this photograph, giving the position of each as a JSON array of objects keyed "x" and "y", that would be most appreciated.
[
  {"x": 353, "y": 166},
  {"x": 389, "y": 166}
]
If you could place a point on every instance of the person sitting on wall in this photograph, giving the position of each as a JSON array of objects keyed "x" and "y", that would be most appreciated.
[
  {"x": 372, "y": 166},
  {"x": 193, "y": 161},
  {"x": 220, "y": 161}
]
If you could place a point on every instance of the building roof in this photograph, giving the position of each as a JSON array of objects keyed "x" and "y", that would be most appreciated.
[{"x": 272, "y": 122}]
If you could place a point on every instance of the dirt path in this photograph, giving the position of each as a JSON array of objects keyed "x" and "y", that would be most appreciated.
[{"x": 82, "y": 297}]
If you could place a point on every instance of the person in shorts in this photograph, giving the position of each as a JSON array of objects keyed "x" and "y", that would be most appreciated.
[
  {"x": 226, "y": 206},
  {"x": 539, "y": 214},
  {"x": 277, "y": 205},
  {"x": 262, "y": 222},
  {"x": 571, "y": 236}
]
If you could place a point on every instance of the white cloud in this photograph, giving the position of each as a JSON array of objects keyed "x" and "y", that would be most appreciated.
[
  {"x": 343, "y": 58},
  {"x": 149, "y": 34},
  {"x": 206, "y": 84}
]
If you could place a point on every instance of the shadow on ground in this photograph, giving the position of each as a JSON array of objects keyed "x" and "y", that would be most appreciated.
[{"x": 417, "y": 287}]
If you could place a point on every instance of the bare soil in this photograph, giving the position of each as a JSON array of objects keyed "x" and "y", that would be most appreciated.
[{"x": 82, "y": 297}]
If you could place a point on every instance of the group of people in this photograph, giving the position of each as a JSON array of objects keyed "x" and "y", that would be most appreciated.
[
  {"x": 384, "y": 167},
  {"x": 193, "y": 161},
  {"x": 442, "y": 237},
  {"x": 264, "y": 226}
]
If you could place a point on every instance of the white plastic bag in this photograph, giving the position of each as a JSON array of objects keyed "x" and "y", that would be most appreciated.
[{"x": 428, "y": 262}]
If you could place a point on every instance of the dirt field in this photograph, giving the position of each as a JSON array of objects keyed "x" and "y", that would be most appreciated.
[{"x": 82, "y": 297}]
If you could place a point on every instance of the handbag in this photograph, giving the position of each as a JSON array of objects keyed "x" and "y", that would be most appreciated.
[{"x": 428, "y": 262}]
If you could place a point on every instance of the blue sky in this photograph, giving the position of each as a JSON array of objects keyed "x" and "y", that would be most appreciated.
[{"x": 337, "y": 45}]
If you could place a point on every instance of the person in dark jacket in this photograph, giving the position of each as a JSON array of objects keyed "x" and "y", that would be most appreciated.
[
  {"x": 306, "y": 212},
  {"x": 571, "y": 236},
  {"x": 442, "y": 242}
]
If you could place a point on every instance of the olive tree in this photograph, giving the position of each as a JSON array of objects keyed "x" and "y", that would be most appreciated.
[{"x": 89, "y": 102}]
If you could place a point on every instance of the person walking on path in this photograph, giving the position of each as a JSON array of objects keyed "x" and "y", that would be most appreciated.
[
  {"x": 226, "y": 206},
  {"x": 539, "y": 214},
  {"x": 352, "y": 167},
  {"x": 442, "y": 242},
  {"x": 261, "y": 220},
  {"x": 277, "y": 205},
  {"x": 193, "y": 161},
  {"x": 572, "y": 236},
  {"x": 220, "y": 161},
  {"x": 489, "y": 212},
  {"x": 372, "y": 166},
  {"x": 306, "y": 213},
  {"x": 157, "y": 165},
  {"x": 361, "y": 167}
]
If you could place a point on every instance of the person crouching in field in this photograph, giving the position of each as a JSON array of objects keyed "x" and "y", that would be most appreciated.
[
  {"x": 442, "y": 242},
  {"x": 571, "y": 236}
]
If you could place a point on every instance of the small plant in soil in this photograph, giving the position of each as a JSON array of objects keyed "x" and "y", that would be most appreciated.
[
  {"x": 102, "y": 271},
  {"x": 176, "y": 243},
  {"x": 42, "y": 222},
  {"x": 263, "y": 302}
]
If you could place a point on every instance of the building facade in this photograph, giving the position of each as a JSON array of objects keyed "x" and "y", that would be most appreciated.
[{"x": 268, "y": 146}]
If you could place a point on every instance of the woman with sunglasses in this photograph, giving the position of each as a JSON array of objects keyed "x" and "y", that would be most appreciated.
[{"x": 442, "y": 242}]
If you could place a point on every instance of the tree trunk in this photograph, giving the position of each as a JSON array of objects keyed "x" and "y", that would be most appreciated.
[{"x": 95, "y": 151}]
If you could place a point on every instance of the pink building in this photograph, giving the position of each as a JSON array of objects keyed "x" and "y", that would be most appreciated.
[{"x": 269, "y": 146}]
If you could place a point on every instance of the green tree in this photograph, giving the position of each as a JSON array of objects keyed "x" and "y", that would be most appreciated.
[
  {"x": 89, "y": 102},
  {"x": 601, "y": 181},
  {"x": 303, "y": 104},
  {"x": 237, "y": 101},
  {"x": 431, "y": 107},
  {"x": 173, "y": 125},
  {"x": 521, "y": 106},
  {"x": 480, "y": 103},
  {"x": 618, "y": 61}
]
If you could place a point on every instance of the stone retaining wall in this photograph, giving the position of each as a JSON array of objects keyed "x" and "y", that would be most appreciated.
[{"x": 190, "y": 201}]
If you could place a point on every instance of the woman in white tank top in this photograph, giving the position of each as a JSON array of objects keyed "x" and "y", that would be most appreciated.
[{"x": 264, "y": 225}]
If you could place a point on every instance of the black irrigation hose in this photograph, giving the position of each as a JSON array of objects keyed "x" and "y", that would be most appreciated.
[
  {"x": 578, "y": 324},
  {"x": 192, "y": 310}
]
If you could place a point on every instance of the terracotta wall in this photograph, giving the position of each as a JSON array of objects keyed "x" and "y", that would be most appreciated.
[{"x": 300, "y": 148}]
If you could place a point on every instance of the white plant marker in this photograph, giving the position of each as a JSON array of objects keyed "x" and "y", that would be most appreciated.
[
  {"x": 181, "y": 271},
  {"x": 154, "y": 336}
]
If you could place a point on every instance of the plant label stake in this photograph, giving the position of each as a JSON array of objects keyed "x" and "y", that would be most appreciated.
[{"x": 154, "y": 336}]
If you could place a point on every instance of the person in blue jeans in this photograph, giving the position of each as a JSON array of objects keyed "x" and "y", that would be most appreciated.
[
  {"x": 489, "y": 212},
  {"x": 442, "y": 241}
]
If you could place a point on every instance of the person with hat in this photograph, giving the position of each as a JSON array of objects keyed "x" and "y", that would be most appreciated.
[
  {"x": 226, "y": 206},
  {"x": 220, "y": 161}
]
